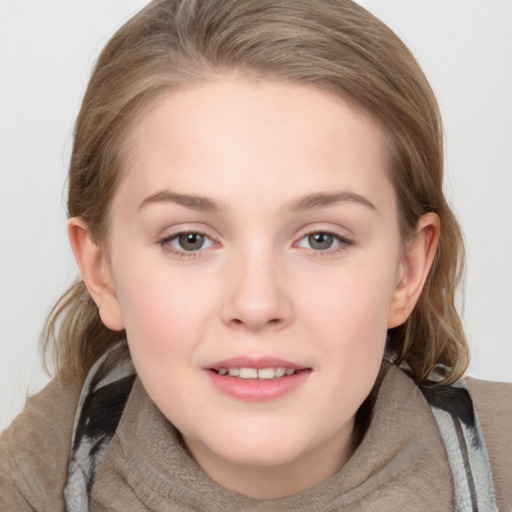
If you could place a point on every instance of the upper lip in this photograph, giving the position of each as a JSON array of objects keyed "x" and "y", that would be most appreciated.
[{"x": 256, "y": 362}]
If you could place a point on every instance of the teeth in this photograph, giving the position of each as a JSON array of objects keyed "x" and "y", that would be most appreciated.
[
  {"x": 253, "y": 373},
  {"x": 280, "y": 372},
  {"x": 266, "y": 373},
  {"x": 248, "y": 373}
]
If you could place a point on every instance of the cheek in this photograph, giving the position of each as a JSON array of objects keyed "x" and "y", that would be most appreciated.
[
  {"x": 349, "y": 322},
  {"x": 161, "y": 312},
  {"x": 161, "y": 306},
  {"x": 351, "y": 309}
]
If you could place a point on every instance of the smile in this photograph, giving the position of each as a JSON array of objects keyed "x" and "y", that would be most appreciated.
[
  {"x": 257, "y": 379},
  {"x": 255, "y": 373}
]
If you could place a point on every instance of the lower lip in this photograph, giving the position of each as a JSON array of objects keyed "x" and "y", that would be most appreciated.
[{"x": 257, "y": 390}]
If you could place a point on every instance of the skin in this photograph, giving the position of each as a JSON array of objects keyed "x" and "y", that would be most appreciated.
[{"x": 257, "y": 287}]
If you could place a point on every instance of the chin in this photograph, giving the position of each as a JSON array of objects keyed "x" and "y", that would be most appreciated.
[{"x": 258, "y": 446}]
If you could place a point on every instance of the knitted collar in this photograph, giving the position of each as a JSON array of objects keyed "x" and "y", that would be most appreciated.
[{"x": 103, "y": 398}]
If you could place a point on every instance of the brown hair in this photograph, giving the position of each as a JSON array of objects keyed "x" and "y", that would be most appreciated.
[{"x": 334, "y": 45}]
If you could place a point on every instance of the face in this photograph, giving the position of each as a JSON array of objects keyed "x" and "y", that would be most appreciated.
[{"x": 255, "y": 233}]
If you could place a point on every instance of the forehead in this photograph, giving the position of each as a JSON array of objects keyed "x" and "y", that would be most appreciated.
[{"x": 237, "y": 139}]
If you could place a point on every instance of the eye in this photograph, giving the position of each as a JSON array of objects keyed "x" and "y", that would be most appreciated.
[
  {"x": 320, "y": 241},
  {"x": 190, "y": 241},
  {"x": 323, "y": 241}
]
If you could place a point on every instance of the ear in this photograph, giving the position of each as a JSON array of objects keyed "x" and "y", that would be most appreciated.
[
  {"x": 414, "y": 268},
  {"x": 95, "y": 269}
]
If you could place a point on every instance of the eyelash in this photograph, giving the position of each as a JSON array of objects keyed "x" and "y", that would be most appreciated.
[
  {"x": 343, "y": 242},
  {"x": 165, "y": 243}
]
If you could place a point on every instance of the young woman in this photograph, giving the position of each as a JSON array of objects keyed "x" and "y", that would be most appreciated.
[{"x": 265, "y": 317}]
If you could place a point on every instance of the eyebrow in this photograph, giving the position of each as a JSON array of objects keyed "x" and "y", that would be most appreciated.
[
  {"x": 194, "y": 202},
  {"x": 302, "y": 203},
  {"x": 323, "y": 199}
]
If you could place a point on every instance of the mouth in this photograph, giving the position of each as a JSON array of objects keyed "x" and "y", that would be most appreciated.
[
  {"x": 269, "y": 373},
  {"x": 257, "y": 379}
]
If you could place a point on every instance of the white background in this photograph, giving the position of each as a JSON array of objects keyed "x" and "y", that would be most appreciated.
[{"x": 47, "y": 50}]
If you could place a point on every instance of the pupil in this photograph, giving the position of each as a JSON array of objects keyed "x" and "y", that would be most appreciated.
[
  {"x": 320, "y": 241},
  {"x": 191, "y": 241}
]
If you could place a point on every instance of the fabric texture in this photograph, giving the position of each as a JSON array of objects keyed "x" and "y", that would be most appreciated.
[
  {"x": 462, "y": 435},
  {"x": 401, "y": 464},
  {"x": 99, "y": 410}
]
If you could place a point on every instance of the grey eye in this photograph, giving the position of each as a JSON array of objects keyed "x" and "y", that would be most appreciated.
[
  {"x": 324, "y": 241},
  {"x": 320, "y": 241}
]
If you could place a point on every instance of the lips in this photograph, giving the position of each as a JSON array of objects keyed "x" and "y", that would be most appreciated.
[
  {"x": 258, "y": 363},
  {"x": 257, "y": 379},
  {"x": 254, "y": 373}
]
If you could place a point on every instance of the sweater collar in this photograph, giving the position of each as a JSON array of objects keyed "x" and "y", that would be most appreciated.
[{"x": 396, "y": 446}]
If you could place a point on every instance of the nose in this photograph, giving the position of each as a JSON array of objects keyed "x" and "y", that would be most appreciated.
[{"x": 258, "y": 295}]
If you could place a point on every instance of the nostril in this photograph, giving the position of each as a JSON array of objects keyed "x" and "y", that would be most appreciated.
[{"x": 236, "y": 322}]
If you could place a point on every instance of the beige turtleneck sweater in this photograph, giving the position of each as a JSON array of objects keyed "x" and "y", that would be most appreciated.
[{"x": 400, "y": 464}]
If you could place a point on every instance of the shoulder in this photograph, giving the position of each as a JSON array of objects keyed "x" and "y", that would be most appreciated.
[
  {"x": 493, "y": 404},
  {"x": 493, "y": 397},
  {"x": 34, "y": 449}
]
